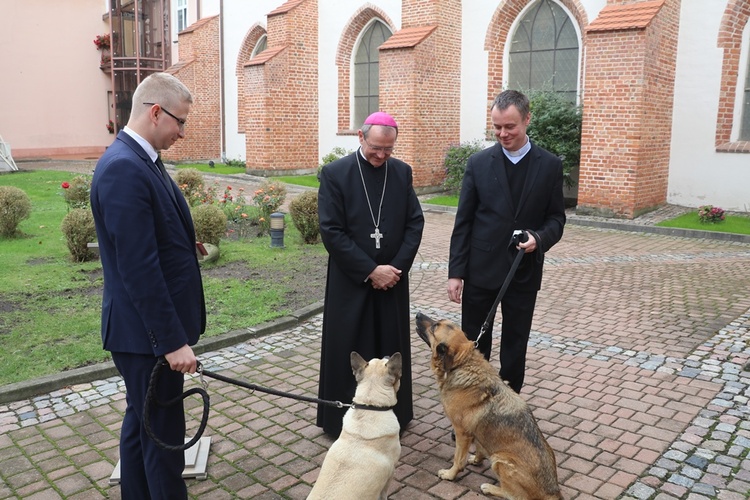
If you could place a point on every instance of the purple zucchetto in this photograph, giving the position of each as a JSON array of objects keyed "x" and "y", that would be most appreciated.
[{"x": 381, "y": 118}]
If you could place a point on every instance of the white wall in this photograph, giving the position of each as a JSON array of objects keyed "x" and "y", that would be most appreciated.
[
  {"x": 53, "y": 96},
  {"x": 239, "y": 18},
  {"x": 698, "y": 175}
]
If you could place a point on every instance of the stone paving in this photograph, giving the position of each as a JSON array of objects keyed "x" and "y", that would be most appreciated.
[{"x": 634, "y": 374}]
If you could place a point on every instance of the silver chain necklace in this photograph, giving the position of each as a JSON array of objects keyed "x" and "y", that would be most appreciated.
[{"x": 377, "y": 235}]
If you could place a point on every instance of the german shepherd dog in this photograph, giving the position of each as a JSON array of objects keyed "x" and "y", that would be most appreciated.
[
  {"x": 360, "y": 463},
  {"x": 486, "y": 412}
]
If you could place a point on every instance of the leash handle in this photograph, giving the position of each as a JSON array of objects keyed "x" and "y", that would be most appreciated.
[{"x": 151, "y": 399}]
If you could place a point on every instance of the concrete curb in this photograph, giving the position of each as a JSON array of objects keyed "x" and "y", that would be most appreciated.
[{"x": 54, "y": 382}]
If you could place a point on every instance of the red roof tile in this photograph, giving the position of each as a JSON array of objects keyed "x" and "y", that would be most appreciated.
[
  {"x": 198, "y": 24},
  {"x": 408, "y": 37},
  {"x": 265, "y": 56},
  {"x": 286, "y": 7},
  {"x": 626, "y": 17}
]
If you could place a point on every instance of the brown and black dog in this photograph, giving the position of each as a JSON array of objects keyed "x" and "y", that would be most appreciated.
[{"x": 488, "y": 413}]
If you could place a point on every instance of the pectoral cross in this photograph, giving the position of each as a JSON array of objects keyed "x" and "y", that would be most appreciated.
[{"x": 376, "y": 236}]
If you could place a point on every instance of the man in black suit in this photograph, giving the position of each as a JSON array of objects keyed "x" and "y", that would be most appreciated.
[
  {"x": 153, "y": 301},
  {"x": 513, "y": 185}
]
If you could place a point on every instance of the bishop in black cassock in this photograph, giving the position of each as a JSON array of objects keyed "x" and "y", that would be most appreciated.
[{"x": 357, "y": 316}]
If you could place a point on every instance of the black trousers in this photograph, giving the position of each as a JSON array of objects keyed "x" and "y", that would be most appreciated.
[{"x": 517, "y": 309}]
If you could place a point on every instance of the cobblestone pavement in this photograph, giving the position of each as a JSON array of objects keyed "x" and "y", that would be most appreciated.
[{"x": 634, "y": 374}]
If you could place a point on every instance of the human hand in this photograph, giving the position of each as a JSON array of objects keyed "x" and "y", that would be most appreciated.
[
  {"x": 455, "y": 287},
  {"x": 182, "y": 360},
  {"x": 529, "y": 245},
  {"x": 384, "y": 277}
]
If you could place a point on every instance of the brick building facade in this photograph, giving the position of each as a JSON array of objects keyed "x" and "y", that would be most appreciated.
[{"x": 289, "y": 109}]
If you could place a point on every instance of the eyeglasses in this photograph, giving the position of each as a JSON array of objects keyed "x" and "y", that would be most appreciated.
[
  {"x": 379, "y": 149},
  {"x": 179, "y": 120}
]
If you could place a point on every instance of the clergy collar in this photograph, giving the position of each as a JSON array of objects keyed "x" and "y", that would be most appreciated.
[{"x": 516, "y": 156}]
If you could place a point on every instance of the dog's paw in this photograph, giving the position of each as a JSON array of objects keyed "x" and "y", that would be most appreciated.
[
  {"x": 492, "y": 490},
  {"x": 447, "y": 474},
  {"x": 476, "y": 459}
]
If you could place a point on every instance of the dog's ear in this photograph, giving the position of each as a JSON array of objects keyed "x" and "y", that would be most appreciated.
[
  {"x": 444, "y": 354},
  {"x": 358, "y": 364},
  {"x": 394, "y": 365}
]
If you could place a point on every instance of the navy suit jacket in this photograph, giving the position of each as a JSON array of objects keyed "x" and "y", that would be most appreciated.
[
  {"x": 153, "y": 294},
  {"x": 486, "y": 219}
]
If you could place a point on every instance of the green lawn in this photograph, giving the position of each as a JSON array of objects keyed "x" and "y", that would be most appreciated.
[
  {"x": 731, "y": 224},
  {"x": 300, "y": 180},
  {"x": 50, "y": 306},
  {"x": 448, "y": 201},
  {"x": 218, "y": 168}
]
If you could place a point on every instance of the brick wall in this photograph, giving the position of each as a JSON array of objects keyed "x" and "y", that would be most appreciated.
[
  {"x": 627, "y": 115},
  {"x": 198, "y": 69},
  {"x": 420, "y": 84},
  {"x": 280, "y": 94},
  {"x": 246, "y": 50},
  {"x": 736, "y": 17},
  {"x": 344, "y": 55}
]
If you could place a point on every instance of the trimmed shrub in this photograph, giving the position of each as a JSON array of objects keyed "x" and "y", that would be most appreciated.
[
  {"x": 78, "y": 228},
  {"x": 190, "y": 182},
  {"x": 556, "y": 126},
  {"x": 210, "y": 223},
  {"x": 304, "y": 212},
  {"x": 15, "y": 206},
  {"x": 455, "y": 163},
  {"x": 77, "y": 192}
]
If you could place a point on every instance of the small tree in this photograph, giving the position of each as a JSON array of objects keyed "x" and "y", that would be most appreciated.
[
  {"x": 15, "y": 206},
  {"x": 556, "y": 126},
  {"x": 79, "y": 230},
  {"x": 210, "y": 223},
  {"x": 304, "y": 212}
]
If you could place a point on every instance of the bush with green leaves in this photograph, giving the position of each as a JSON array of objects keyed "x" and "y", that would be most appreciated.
[
  {"x": 190, "y": 181},
  {"x": 78, "y": 228},
  {"x": 77, "y": 191},
  {"x": 268, "y": 198},
  {"x": 210, "y": 223},
  {"x": 15, "y": 206},
  {"x": 304, "y": 212},
  {"x": 335, "y": 154},
  {"x": 556, "y": 126},
  {"x": 455, "y": 163}
]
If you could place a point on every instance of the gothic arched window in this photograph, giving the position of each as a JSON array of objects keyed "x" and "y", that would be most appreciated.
[
  {"x": 260, "y": 46},
  {"x": 544, "y": 51},
  {"x": 366, "y": 71}
]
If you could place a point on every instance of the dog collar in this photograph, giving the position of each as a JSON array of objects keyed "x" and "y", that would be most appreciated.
[{"x": 357, "y": 406}]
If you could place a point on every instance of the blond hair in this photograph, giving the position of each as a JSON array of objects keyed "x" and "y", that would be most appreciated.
[{"x": 159, "y": 88}]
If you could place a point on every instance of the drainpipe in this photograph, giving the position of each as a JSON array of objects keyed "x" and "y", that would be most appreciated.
[{"x": 221, "y": 82}]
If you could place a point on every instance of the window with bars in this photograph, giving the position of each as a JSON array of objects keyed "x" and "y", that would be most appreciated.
[
  {"x": 366, "y": 71},
  {"x": 544, "y": 51}
]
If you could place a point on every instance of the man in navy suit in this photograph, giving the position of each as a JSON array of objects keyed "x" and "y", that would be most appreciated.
[
  {"x": 153, "y": 301},
  {"x": 513, "y": 185}
]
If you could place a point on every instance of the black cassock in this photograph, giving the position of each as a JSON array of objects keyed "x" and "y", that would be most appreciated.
[{"x": 356, "y": 317}]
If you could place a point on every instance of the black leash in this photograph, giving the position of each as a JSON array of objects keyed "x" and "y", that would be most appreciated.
[
  {"x": 151, "y": 399},
  {"x": 518, "y": 237}
]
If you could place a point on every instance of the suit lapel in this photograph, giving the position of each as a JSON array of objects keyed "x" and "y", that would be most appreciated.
[
  {"x": 531, "y": 175},
  {"x": 498, "y": 170},
  {"x": 168, "y": 184}
]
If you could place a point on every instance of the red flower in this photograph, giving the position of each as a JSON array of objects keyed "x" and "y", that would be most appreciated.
[{"x": 65, "y": 185}]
